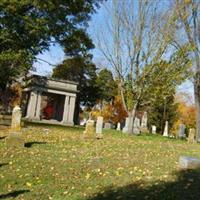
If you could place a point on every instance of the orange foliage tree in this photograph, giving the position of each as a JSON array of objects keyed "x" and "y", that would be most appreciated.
[
  {"x": 186, "y": 111},
  {"x": 112, "y": 112}
]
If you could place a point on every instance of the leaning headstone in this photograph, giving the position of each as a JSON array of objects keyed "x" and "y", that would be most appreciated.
[
  {"x": 136, "y": 126},
  {"x": 89, "y": 132},
  {"x": 99, "y": 127},
  {"x": 181, "y": 132},
  {"x": 186, "y": 162},
  {"x": 14, "y": 139},
  {"x": 107, "y": 125},
  {"x": 165, "y": 133},
  {"x": 144, "y": 128},
  {"x": 191, "y": 136},
  {"x": 153, "y": 129},
  {"x": 118, "y": 126}
]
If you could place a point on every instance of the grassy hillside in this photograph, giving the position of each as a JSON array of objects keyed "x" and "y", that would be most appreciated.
[{"x": 57, "y": 163}]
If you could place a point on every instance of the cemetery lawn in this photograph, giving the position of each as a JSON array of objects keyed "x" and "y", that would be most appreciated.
[{"x": 57, "y": 163}]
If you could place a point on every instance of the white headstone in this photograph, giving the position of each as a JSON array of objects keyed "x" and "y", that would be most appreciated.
[
  {"x": 99, "y": 125},
  {"x": 165, "y": 133},
  {"x": 153, "y": 128},
  {"x": 181, "y": 132},
  {"x": 136, "y": 126},
  {"x": 125, "y": 129},
  {"x": 118, "y": 126},
  {"x": 144, "y": 120}
]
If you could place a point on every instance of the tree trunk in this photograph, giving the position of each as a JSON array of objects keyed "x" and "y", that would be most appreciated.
[
  {"x": 132, "y": 115},
  {"x": 77, "y": 111},
  {"x": 197, "y": 104}
]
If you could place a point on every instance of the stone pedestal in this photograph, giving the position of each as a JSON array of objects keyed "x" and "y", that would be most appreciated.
[
  {"x": 89, "y": 132},
  {"x": 14, "y": 140},
  {"x": 144, "y": 130},
  {"x": 189, "y": 162}
]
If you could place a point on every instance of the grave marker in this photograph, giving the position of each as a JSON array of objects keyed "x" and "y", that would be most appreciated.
[
  {"x": 14, "y": 139},
  {"x": 191, "y": 136},
  {"x": 99, "y": 127},
  {"x": 153, "y": 128},
  {"x": 89, "y": 130},
  {"x": 136, "y": 126},
  {"x": 181, "y": 132},
  {"x": 118, "y": 126}
]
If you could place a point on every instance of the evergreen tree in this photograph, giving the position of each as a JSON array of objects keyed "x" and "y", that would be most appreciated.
[
  {"x": 82, "y": 71},
  {"x": 107, "y": 86},
  {"x": 29, "y": 27}
]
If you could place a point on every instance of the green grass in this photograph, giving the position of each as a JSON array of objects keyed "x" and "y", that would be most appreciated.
[{"x": 60, "y": 164}]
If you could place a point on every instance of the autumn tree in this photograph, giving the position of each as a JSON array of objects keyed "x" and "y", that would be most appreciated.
[
  {"x": 186, "y": 110},
  {"x": 112, "y": 111},
  {"x": 187, "y": 16},
  {"x": 141, "y": 33}
]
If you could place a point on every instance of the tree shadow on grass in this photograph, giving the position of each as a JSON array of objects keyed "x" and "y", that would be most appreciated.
[
  {"x": 1, "y": 138},
  {"x": 186, "y": 187},
  {"x": 30, "y": 144},
  {"x": 3, "y": 164},
  {"x": 13, "y": 194}
]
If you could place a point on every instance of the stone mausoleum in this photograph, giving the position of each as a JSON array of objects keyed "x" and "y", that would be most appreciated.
[{"x": 49, "y": 100}]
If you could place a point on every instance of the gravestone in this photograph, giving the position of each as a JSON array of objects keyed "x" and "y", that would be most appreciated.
[
  {"x": 153, "y": 128},
  {"x": 181, "y": 132},
  {"x": 144, "y": 128},
  {"x": 125, "y": 129},
  {"x": 14, "y": 139},
  {"x": 165, "y": 133},
  {"x": 136, "y": 126},
  {"x": 89, "y": 132},
  {"x": 186, "y": 162},
  {"x": 107, "y": 125},
  {"x": 191, "y": 136},
  {"x": 118, "y": 126},
  {"x": 99, "y": 127}
]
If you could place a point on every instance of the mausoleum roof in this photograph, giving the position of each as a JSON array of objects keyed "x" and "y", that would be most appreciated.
[{"x": 42, "y": 83}]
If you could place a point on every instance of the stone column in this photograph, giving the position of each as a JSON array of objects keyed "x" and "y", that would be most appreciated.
[
  {"x": 38, "y": 106},
  {"x": 71, "y": 110},
  {"x": 66, "y": 110},
  {"x": 31, "y": 105}
]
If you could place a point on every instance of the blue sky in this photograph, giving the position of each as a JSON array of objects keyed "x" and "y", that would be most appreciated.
[{"x": 55, "y": 55}]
